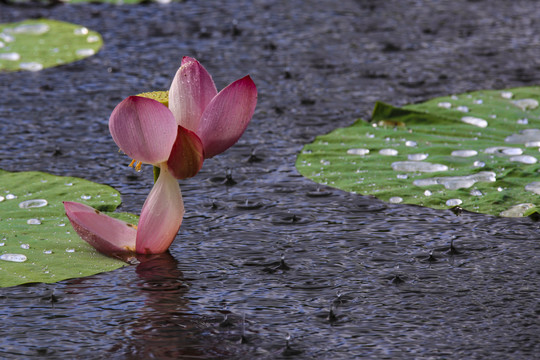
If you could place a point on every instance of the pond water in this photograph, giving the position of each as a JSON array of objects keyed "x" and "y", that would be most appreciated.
[{"x": 276, "y": 266}]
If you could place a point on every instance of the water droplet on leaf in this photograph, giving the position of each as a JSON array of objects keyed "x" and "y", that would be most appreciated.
[
  {"x": 453, "y": 202},
  {"x": 416, "y": 166},
  {"x": 13, "y": 257},
  {"x": 417, "y": 157},
  {"x": 358, "y": 152},
  {"x": 471, "y": 120},
  {"x": 464, "y": 153},
  {"x": 395, "y": 200},
  {"x": 388, "y": 152},
  {"x": 36, "y": 203},
  {"x": 33, "y": 222}
]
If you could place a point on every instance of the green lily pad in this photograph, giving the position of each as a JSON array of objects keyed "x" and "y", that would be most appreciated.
[
  {"x": 37, "y": 241},
  {"x": 478, "y": 150},
  {"x": 36, "y": 44}
]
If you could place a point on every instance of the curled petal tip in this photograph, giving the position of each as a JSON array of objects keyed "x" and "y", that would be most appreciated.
[{"x": 109, "y": 236}]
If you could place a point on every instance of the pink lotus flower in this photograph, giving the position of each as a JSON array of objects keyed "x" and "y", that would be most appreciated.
[{"x": 201, "y": 123}]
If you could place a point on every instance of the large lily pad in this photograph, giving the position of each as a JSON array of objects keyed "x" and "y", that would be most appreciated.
[
  {"x": 478, "y": 150},
  {"x": 36, "y": 44},
  {"x": 33, "y": 226}
]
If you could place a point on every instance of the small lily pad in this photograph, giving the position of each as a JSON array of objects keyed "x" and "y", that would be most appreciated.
[
  {"x": 37, "y": 44},
  {"x": 37, "y": 242},
  {"x": 478, "y": 149}
]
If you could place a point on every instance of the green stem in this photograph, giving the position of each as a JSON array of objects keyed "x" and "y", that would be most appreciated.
[{"x": 156, "y": 173}]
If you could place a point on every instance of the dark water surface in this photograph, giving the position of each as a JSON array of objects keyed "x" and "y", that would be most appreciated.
[{"x": 357, "y": 280}]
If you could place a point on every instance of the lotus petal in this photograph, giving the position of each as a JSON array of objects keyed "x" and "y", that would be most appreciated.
[
  {"x": 191, "y": 91},
  {"x": 144, "y": 129},
  {"x": 161, "y": 215},
  {"x": 108, "y": 235},
  {"x": 226, "y": 117},
  {"x": 187, "y": 154}
]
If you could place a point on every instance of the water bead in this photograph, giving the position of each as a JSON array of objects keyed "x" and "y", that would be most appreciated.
[
  {"x": 85, "y": 52},
  {"x": 33, "y": 222},
  {"x": 533, "y": 187},
  {"x": 522, "y": 121},
  {"x": 453, "y": 202},
  {"x": 464, "y": 153},
  {"x": 471, "y": 120},
  {"x": 526, "y": 104},
  {"x": 428, "y": 193},
  {"x": 507, "y": 95},
  {"x": 80, "y": 31},
  {"x": 358, "y": 152},
  {"x": 444, "y": 105},
  {"x": 417, "y": 157},
  {"x": 524, "y": 159},
  {"x": 70, "y": 250},
  {"x": 395, "y": 200},
  {"x": 10, "y": 56},
  {"x": 25, "y": 246},
  {"x": 462, "y": 108},
  {"x": 10, "y": 197},
  {"x": 476, "y": 192},
  {"x": 416, "y": 166},
  {"x": 31, "y": 66},
  {"x": 31, "y": 29},
  {"x": 517, "y": 210},
  {"x": 86, "y": 197},
  {"x": 388, "y": 152},
  {"x": 524, "y": 136},
  {"x": 410, "y": 143},
  {"x": 457, "y": 182},
  {"x": 13, "y": 257},
  {"x": 505, "y": 150},
  {"x": 2, "y": 198},
  {"x": 36, "y": 203}
]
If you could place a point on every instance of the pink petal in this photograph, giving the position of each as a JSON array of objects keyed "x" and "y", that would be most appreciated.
[
  {"x": 108, "y": 235},
  {"x": 227, "y": 116},
  {"x": 144, "y": 129},
  {"x": 187, "y": 155},
  {"x": 161, "y": 215},
  {"x": 191, "y": 91}
]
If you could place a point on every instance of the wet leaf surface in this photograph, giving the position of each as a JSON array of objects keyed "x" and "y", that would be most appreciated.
[
  {"x": 37, "y": 242},
  {"x": 478, "y": 150},
  {"x": 37, "y": 44}
]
